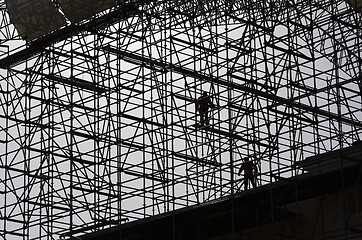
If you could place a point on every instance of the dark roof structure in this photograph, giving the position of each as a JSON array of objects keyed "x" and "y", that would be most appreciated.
[{"x": 251, "y": 209}]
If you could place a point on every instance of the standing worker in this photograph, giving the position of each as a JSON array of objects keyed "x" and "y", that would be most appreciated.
[
  {"x": 248, "y": 167},
  {"x": 202, "y": 105}
]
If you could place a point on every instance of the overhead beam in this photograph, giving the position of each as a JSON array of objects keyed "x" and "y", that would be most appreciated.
[
  {"x": 48, "y": 152},
  {"x": 254, "y": 82},
  {"x": 185, "y": 98},
  {"x": 195, "y": 159},
  {"x": 46, "y": 205},
  {"x": 231, "y": 135},
  {"x": 135, "y": 146},
  {"x": 77, "y": 83},
  {"x": 292, "y": 115},
  {"x": 293, "y": 104},
  {"x": 143, "y": 120},
  {"x": 289, "y": 51},
  {"x": 13, "y": 220},
  {"x": 280, "y": 100},
  {"x": 193, "y": 44},
  {"x": 13, "y": 233},
  {"x": 252, "y": 23},
  {"x": 82, "y": 189},
  {"x": 143, "y": 175},
  {"x": 24, "y": 172},
  {"x": 135, "y": 58},
  {"x": 40, "y": 125},
  {"x": 48, "y": 101}
]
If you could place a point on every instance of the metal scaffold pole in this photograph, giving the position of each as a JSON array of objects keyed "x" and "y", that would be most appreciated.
[{"x": 100, "y": 118}]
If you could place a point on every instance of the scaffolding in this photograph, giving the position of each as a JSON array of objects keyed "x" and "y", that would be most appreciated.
[{"x": 98, "y": 121}]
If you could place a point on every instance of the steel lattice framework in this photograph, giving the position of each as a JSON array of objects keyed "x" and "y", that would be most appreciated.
[{"x": 98, "y": 122}]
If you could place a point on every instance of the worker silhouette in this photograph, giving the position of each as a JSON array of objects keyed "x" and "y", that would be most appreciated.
[
  {"x": 203, "y": 103},
  {"x": 249, "y": 173}
]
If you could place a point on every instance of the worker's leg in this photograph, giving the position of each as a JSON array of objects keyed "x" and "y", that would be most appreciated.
[
  {"x": 206, "y": 118},
  {"x": 202, "y": 118},
  {"x": 253, "y": 180},
  {"x": 246, "y": 181}
]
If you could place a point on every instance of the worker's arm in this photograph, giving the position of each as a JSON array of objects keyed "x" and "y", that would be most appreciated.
[
  {"x": 241, "y": 168},
  {"x": 196, "y": 104},
  {"x": 211, "y": 104}
]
